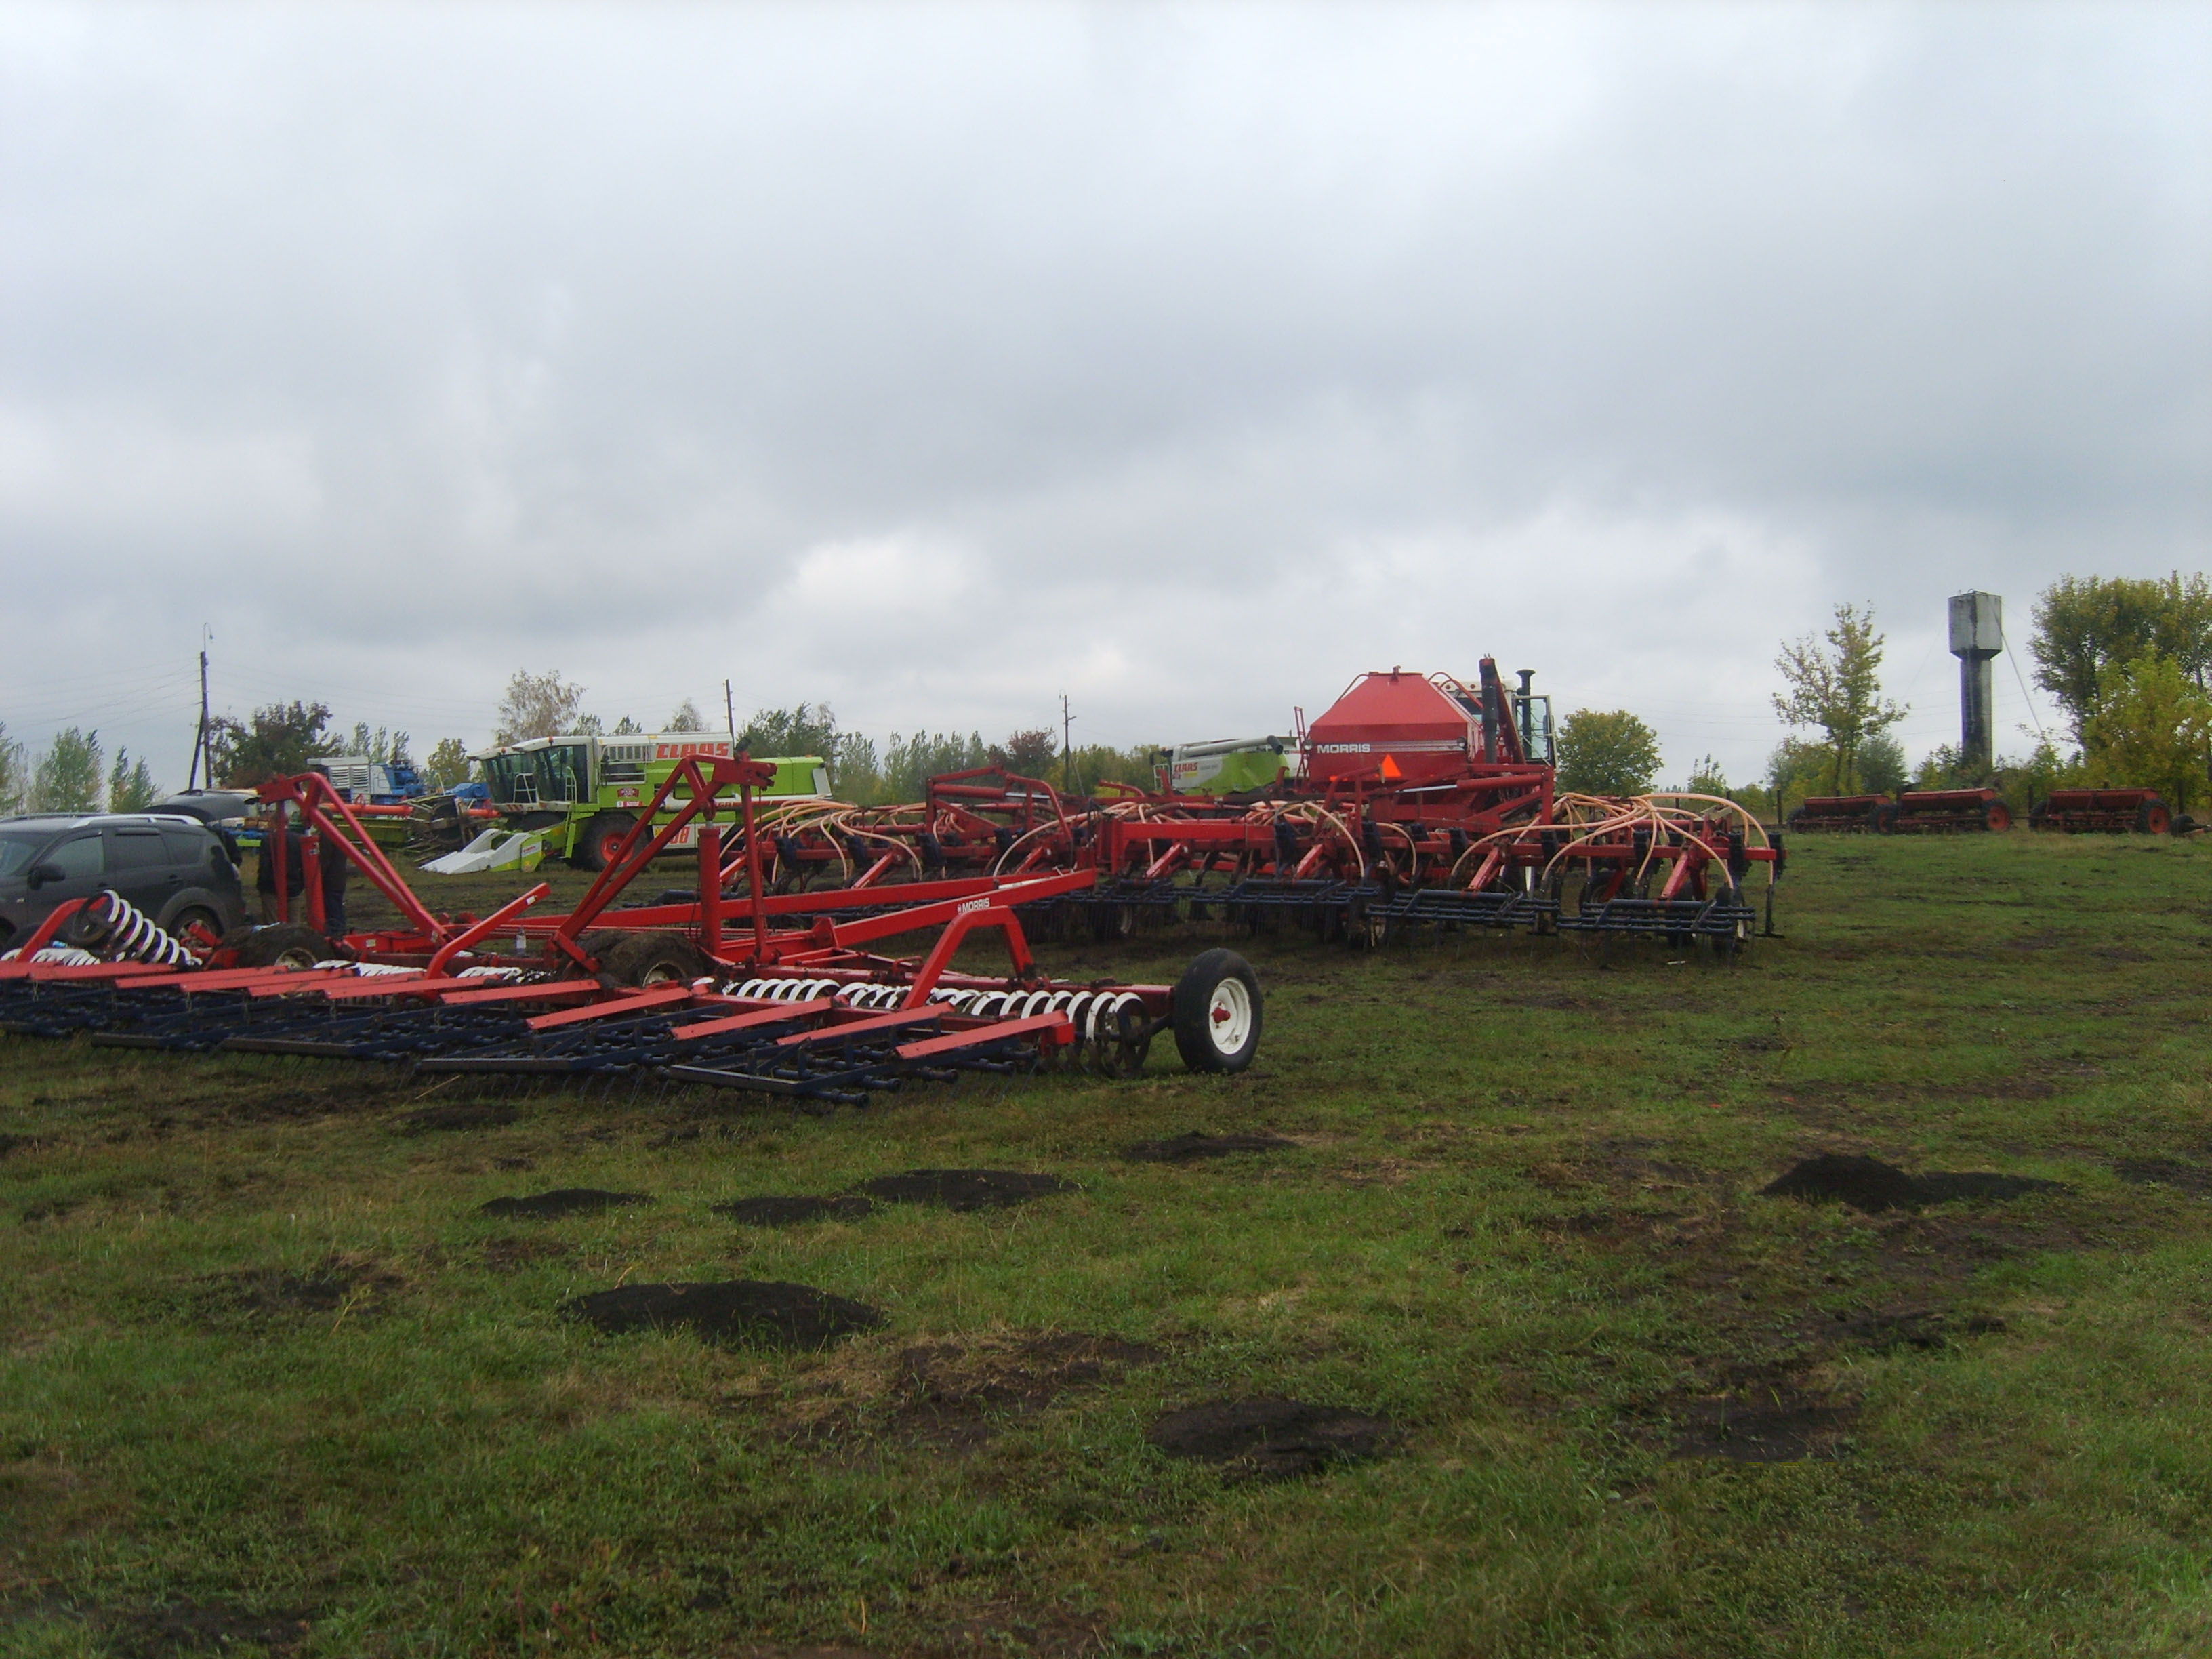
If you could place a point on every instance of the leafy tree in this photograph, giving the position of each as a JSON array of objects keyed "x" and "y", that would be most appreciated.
[
  {"x": 910, "y": 762},
  {"x": 1941, "y": 770},
  {"x": 1096, "y": 764},
  {"x": 2150, "y": 726},
  {"x": 67, "y": 775},
  {"x": 686, "y": 717},
  {"x": 855, "y": 771},
  {"x": 277, "y": 742},
  {"x": 14, "y": 772},
  {"x": 390, "y": 748},
  {"x": 1837, "y": 686},
  {"x": 1797, "y": 769},
  {"x": 1607, "y": 753},
  {"x": 538, "y": 706},
  {"x": 130, "y": 786},
  {"x": 626, "y": 727},
  {"x": 803, "y": 730},
  {"x": 1026, "y": 754},
  {"x": 1882, "y": 769},
  {"x": 2084, "y": 625},
  {"x": 1706, "y": 778},
  {"x": 447, "y": 764}
]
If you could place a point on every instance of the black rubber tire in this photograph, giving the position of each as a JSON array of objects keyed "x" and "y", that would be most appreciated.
[
  {"x": 597, "y": 842},
  {"x": 1223, "y": 977},
  {"x": 649, "y": 959},
  {"x": 2153, "y": 818},
  {"x": 281, "y": 944}
]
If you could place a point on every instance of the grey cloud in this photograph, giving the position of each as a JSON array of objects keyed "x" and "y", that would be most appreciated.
[{"x": 935, "y": 359}]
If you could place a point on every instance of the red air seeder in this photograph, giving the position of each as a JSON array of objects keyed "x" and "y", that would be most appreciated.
[{"x": 1419, "y": 804}]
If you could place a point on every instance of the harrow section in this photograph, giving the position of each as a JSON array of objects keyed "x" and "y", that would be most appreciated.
[{"x": 773, "y": 994}]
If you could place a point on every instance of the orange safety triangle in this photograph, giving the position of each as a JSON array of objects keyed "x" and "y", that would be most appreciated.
[{"x": 1390, "y": 767}]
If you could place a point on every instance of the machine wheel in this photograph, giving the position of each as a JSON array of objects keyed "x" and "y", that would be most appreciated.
[
  {"x": 1216, "y": 1014},
  {"x": 2152, "y": 818},
  {"x": 289, "y": 944},
  {"x": 648, "y": 959},
  {"x": 199, "y": 916},
  {"x": 1997, "y": 816},
  {"x": 601, "y": 837}
]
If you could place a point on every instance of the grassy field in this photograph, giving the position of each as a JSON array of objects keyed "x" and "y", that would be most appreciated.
[{"x": 269, "y": 1380}]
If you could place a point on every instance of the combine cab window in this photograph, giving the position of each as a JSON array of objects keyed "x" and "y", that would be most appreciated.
[
  {"x": 511, "y": 780},
  {"x": 564, "y": 772}
]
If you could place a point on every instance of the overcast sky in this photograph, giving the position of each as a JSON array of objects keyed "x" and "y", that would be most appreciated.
[{"x": 933, "y": 361}]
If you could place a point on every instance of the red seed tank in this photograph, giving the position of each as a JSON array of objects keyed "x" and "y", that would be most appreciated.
[{"x": 1394, "y": 728}]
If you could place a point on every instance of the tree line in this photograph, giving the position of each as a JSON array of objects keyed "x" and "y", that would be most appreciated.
[{"x": 2126, "y": 658}]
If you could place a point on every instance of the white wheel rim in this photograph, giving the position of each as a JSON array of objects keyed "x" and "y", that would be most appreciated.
[{"x": 1229, "y": 1017}]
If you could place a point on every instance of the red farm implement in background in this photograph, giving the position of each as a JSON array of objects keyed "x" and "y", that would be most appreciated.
[
  {"x": 2086, "y": 811},
  {"x": 1422, "y": 803},
  {"x": 1937, "y": 811},
  {"x": 1843, "y": 812},
  {"x": 1913, "y": 813},
  {"x": 778, "y": 994},
  {"x": 1419, "y": 801}
]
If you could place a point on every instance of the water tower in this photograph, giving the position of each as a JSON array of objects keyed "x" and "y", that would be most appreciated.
[{"x": 1977, "y": 637}]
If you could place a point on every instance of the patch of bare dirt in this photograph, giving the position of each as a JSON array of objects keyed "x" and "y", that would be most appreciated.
[
  {"x": 1871, "y": 1187},
  {"x": 966, "y": 1189},
  {"x": 758, "y": 1312},
  {"x": 946, "y": 1395},
  {"x": 348, "y": 1284},
  {"x": 781, "y": 1211},
  {"x": 563, "y": 1202},
  {"x": 2193, "y": 1178},
  {"x": 1893, "y": 1330},
  {"x": 184, "y": 1628},
  {"x": 1194, "y": 1146},
  {"x": 1781, "y": 1427},
  {"x": 510, "y": 1254},
  {"x": 1272, "y": 1439}
]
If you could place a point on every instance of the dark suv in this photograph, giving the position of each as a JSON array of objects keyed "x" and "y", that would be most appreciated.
[{"x": 171, "y": 866}]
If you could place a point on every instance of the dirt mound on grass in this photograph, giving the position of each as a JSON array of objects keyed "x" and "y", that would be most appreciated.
[
  {"x": 790, "y": 1211},
  {"x": 336, "y": 1282},
  {"x": 1187, "y": 1148},
  {"x": 431, "y": 1119},
  {"x": 1272, "y": 1439},
  {"x": 563, "y": 1201},
  {"x": 1872, "y": 1187},
  {"x": 1027, "y": 1371},
  {"x": 1942, "y": 1186},
  {"x": 2165, "y": 1172},
  {"x": 184, "y": 1628},
  {"x": 1924, "y": 1329},
  {"x": 509, "y": 1255},
  {"x": 1778, "y": 1429},
  {"x": 965, "y": 1189},
  {"x": 763, "y": 1312}
]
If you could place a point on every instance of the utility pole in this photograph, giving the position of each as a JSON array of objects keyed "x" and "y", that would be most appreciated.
[
  {"x": 199, "y": 737},
  {"x": 730, "y": 714},
  {"x": 1067, "y": 746}
]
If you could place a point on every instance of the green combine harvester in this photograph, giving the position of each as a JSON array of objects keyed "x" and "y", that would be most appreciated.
[
  {"x": 581, "y": 793},
  {"x": 1229, "y": 766}
]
